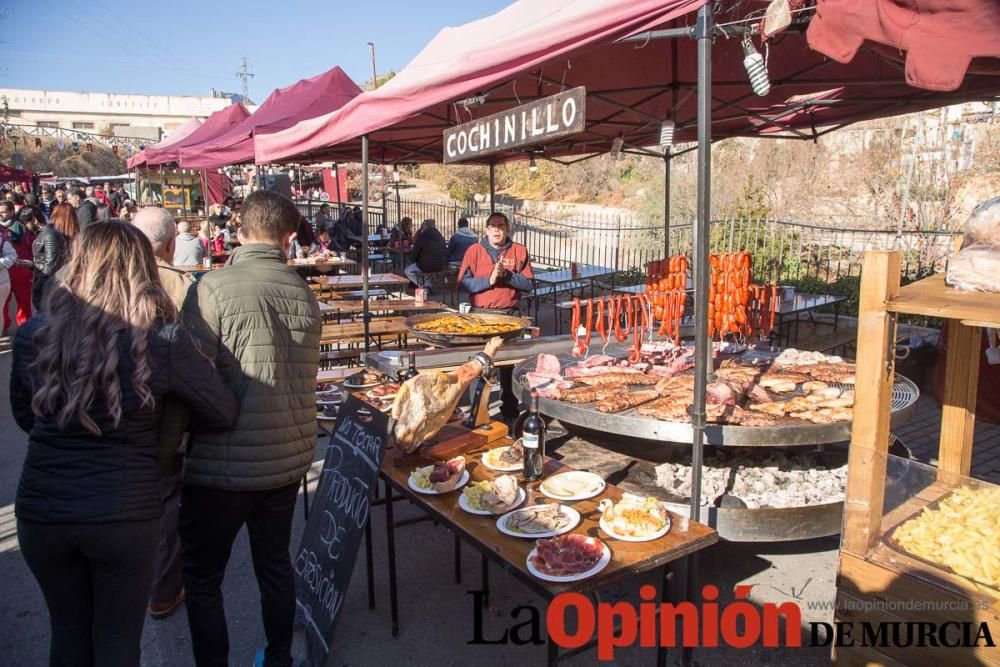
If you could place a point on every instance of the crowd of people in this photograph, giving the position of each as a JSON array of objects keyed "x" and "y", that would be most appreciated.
[
  {"x": 176, "y": 424},
  {"x": 182, "y": 409}
]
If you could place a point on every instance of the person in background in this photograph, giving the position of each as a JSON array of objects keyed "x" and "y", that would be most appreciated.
[
  {"x": 429, "y": 253},
  {"x": 103, "y": 199},
  {"x": 460, "y": 241},
  {"x": 205, "y": 236},
  {"x": 31, "y": 201},
  {"x": 65, "y": 222},
  {"x": 117, "y": 197},
  {"x": 128, "y": 210},
  {"x": 18, "y": 202},
  {"x": 50, "y": 251},
  {"x": 262, "y": 324},
  {"x": 496, "y": 270},
  {"x": 343, "y": 236},
  {"x": 104, "y": 212},
  {"x": 188, "y": 250},
  {"x": 401, "y": 236},
  {"x": 88, "y": 381},
  {"x": 21, "y": 239},
  {"x": 324, "y": 244},
  {"x": 356, "y": 221},
  {"x": 304, "y": 242},
  {"x": 48, "y": 201},
  {"x": 228, "y": 207},
  {"x": 322, "y": 219},
  {"x": 61, "y": 197},
  {"x": 86, "y": 208},
  {"x": 168, "y": 585},
  {"x": 8, "y": 259}
]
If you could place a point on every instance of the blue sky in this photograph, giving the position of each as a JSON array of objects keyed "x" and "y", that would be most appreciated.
[{"x": 186, "y": 47}]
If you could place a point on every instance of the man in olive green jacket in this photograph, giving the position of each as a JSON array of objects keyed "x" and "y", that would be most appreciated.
[{"x": 260, "y": 322}]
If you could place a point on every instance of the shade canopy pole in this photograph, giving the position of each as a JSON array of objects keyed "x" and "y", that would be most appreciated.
[
  {"x": 703, "y": 345},
  {"x": 336, "y": 177},
  {"x": 493, "y": 188},
  {"x": 667, "y": 157},
  {"x": 365, "y": 315}
]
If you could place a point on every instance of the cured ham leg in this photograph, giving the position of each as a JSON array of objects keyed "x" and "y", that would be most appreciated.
[{"x": 425, "y": 403}]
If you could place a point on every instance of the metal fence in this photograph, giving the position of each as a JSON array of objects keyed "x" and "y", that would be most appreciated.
[{"x": 805, "y": 255}]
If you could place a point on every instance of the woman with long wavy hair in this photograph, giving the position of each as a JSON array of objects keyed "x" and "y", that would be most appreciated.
[{"x": 89, "y": 377}]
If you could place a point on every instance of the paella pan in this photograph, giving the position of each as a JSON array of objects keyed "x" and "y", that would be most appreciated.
[{"x": 464, "y": 329}]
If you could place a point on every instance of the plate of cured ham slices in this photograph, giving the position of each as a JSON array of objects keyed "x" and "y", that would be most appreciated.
[{"x": 567, "y": 558}]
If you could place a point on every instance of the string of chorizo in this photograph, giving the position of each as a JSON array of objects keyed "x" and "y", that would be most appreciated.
[{"x": 575, "y": 328}]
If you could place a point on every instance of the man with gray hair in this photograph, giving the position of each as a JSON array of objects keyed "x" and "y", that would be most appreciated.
[
  {"x": 168, "y": 584},
  {"x": 159, "y": 227},
  {"x": 188, "y": 250}
]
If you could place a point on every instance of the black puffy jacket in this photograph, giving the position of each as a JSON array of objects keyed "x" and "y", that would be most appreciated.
[
  {"x": 48, "y": 251},
  {"x": 430, "y": 251},
  {"x": 73, "y": 476}
]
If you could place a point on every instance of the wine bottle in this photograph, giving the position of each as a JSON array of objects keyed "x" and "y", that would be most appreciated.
[
  {"x": 412, "y": 372},
  {"x": 533, "y": 440}
]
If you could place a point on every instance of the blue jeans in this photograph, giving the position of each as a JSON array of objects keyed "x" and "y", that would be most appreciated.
[{"x": 415, "y": 275}]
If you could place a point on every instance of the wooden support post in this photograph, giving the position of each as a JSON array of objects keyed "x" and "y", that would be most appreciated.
[
  {"x": 873, "y": 389},
  {"x": 958, "y": 404}
]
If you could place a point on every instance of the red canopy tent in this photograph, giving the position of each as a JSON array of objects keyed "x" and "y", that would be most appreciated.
[
  {"x": 531, "y": 50},
  {"x": 181, "y": 132},
  {"x": 25, "y": 177},
  {"x": 637, "y": 75},
  {"x": 215, "y": 125},
  {"x": 282, "y": 109}
]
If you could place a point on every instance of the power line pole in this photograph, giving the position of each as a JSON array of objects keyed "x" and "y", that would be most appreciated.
[
  {"x": 371, "y": 48},
  {"x": 246, "y": 75}
]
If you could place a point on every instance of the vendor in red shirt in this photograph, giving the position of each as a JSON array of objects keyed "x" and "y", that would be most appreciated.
[{"x": 496, "y": 270}]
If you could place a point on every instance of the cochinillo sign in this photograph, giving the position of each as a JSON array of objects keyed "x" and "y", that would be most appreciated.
[{"x": 532, "y": 123}]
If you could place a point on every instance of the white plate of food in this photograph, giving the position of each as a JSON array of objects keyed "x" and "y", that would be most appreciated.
[
  {"x": 634, "y": 519},
  {"x": 505, "y": 459},
  {"x": 442, "y": 477},
  {"x": 568, "y": 558},
  {"x": 539, "y": 521},
  {"x": 363, "y": 380},
  {"x": 492, "y": 497},
  {"x": 385, "y": 392},
  {"x": 572, "y": 486}
]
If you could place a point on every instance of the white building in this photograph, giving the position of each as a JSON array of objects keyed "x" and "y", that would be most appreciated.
[{"x": 142, "y": 116}]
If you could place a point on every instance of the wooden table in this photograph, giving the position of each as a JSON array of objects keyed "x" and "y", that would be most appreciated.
[
  {"x": 628, "y": 558},
  {"x": 323, "y": 263},
  {"x": 354, "y": 282},
  {"x": 354, "y": 306},
  {"x": 198, "y": 268},
  {"x": 326, "y": 264},
  {"x": 354, "y": 331},
  {"x": 335, "y": 375}
]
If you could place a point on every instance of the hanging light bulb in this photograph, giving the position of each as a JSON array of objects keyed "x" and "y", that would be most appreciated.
[
  {"x": 667, "y": 133},
  {"x": 756, "y": 70},
  {"x": 532, "y": 167},
  {"x": 616, "y": 147}
]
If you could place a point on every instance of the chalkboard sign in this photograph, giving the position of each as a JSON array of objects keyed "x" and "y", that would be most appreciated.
[{"x": 336, "y": 523}]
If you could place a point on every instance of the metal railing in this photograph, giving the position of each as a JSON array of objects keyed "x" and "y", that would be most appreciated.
[{"x": 809, "y": 256}]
